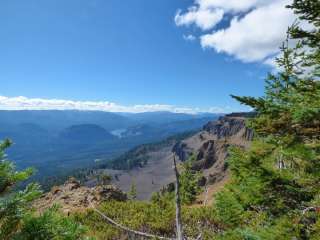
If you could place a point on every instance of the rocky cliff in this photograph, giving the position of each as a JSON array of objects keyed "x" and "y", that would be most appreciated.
[{"x": 209, "y": 147}]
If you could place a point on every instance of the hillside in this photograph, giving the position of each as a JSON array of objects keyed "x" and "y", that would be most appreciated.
[{"x": 85, "y": 133}]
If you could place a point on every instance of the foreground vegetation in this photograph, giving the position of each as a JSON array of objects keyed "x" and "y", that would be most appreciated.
[
  {"x": 18, "y": 218},
  {"x": 274, "y": 191}
]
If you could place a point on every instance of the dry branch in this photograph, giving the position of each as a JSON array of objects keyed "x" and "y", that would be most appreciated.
[
  {"x": 308, "y": 209},
  {"x": 128, "y": 230}
]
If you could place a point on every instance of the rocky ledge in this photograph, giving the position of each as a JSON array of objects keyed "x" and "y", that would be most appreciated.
[
  {"x": 209, "y": 147},
  {"x": 73, "y": 197}
]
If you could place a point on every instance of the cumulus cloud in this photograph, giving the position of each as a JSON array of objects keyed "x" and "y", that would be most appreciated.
[
  {"x": 189, "y": 37},
  {"x": 255, "y": 31},
  {"x": 203, "y": 18},
  {"x": 232, "y": 5},
  {"x": 254, "y": 37},
  {"x": 24, "y": 103}
]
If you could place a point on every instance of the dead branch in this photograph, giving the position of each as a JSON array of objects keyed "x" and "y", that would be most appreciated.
[
  {"x": 199, "y": 237},
  {"x": 126, "y": 229},
  {"x": 308, "y": 209}
]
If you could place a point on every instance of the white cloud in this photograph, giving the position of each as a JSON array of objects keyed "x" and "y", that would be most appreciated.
[
  {"x": 189, "y": 37},
  {"x": 24, "y": 103},
  {"x": 254, "y": 37},
  {"x": 255, "y": 32},
  {"x": 232, "y": 5},
  {"x": 203, "y": 18}
]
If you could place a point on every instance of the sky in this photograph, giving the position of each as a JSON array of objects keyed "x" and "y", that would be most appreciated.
[{"x": 137, "y": 55}]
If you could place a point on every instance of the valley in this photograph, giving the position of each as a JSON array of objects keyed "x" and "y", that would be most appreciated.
[{"x": 58, "y": 143}]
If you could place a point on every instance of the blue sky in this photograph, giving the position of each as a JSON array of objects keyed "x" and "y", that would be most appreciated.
[{"x": 126, "y": 52}]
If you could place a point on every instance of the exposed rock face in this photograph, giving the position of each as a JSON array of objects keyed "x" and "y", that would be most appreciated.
[
  {"x": 109, "y": 192},
  {"x": 210, "y": 146},
  {"x": 182, "y": 150},
  {"x": 206, "y": 156},
  {"x": 73, "y": 197},
  {"x": 229, "y": 126}
]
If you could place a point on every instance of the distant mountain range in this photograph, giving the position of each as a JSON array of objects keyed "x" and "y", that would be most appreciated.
[{"x": 56, "y": 142}]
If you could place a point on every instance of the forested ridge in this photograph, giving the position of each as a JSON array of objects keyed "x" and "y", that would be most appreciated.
[{"x": 273, "y": 191}]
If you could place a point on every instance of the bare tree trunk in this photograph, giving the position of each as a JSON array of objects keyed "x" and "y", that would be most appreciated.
[
  {"x": 281, "y": 163},
  {"x": 178, "y": 202},
  {"x": 206, "y": 196}
]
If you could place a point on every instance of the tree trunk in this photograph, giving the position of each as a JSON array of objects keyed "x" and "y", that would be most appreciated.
[{"x": 178, "y": 202}]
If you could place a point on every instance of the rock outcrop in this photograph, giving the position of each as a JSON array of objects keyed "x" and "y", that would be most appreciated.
[
  {"x": 229, "y": 126},
  {"x": 73, "y": 197},
  {"x": 209, "y": 147}
]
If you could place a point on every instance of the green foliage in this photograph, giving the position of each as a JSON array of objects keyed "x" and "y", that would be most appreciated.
[
  {"x": 228, "y": 209},
  {"x": 278, "y": 177},
  {"x": 13, "y": 209},
  {"x": 13, "y": 206},
  {"x": 49, "y": 225},
  {"x": 309, "y": 11},
  {"x": 152, "y": 217},
  {"x": 189, "y": 183},
  {"x": 8, "y": 176},
  {"x": 104, "y": 179},
  {"x": 144, "y": 216},
  {"x": 133, "y": 191}
]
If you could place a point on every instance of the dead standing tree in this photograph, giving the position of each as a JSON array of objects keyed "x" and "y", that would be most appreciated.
[{"x": 179, "y": 228}]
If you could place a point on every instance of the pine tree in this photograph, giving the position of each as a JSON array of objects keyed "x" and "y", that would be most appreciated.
[
  {"x": 104, "y": 179},
  {"x": 13, "y": 206},
  {"x": 189, "y": 183},
  {"x": 276, "y": 181},
  {"x": 133, "y": 191},
  {"x": 309, "y": 12}
]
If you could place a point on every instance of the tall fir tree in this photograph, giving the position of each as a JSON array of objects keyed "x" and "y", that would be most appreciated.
[{"x": 275, "y": 189}]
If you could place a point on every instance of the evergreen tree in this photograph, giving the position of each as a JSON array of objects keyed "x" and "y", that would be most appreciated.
[
  {"x": 308, "y": 11},
  {"x": 189, "y": 183},
  {"x": 13, "y": 206},
  {"x": 133, "y": 191},
  {"x": 104, "y": 179},
  {"x": 276, "y": 182}
]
